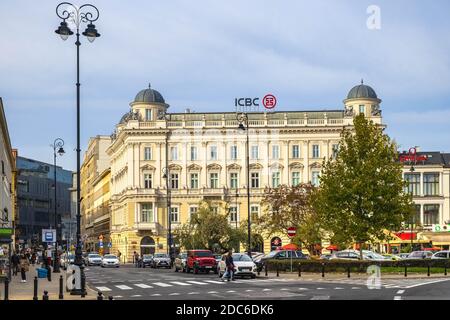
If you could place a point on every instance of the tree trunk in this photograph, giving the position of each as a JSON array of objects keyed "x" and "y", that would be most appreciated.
[{"x": 361, "y": 251}]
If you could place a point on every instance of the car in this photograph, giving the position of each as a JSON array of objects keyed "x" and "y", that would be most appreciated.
[
  {"x": 280, "y": 255},
  {"x": 445, "y": 254},
  {"x": 403, "y": 255},
  {"x": 180, "y": 262},
  {"x": 161, "y": 260},
  {"x": 110, "y": 260},
  {"x": 420, "y": 255},
  {"x": 392, "y": 257},
  {"x": 218, "y": 258},
  {"x": 326, "y": 256},
  {"x": 67, "y": 259},
  {"x": 256, "y": 256},
  {"x": 244, "y": 266},
  {"x": 147, "y": 260},
  {"x": 356, "y": 255},
  {"x": 84, "y": 257},
  {"x": 200, "y": 260},
  {"x": 93, "y": 259}
]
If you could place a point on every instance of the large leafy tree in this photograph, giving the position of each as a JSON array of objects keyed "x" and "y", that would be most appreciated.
[
  {"x": 361, "y": 192},
  {"x": 286, "y": 207}
]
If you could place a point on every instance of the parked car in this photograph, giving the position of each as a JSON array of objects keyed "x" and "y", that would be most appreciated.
[
  {"x": 445, "y": 254},
  {"x": 420, "y": 255},
  {"x": 218, "y": 258},
  {"x": 256, "y": 256},
  {"x": 392, "y": 257},
  {"x": 355, "y": 255},
  {"x": 326, "y": 256},
  {"x": 403, "y": 255},
  {"x": 67, "y": 259},
  {"x": 200, "y": 260},
  {"x": 161, "y": 260},
  {"x": 180, "y": 262},
  {"x": 147, "y": 260},
  {"x": 110, "y": 260},
  {"x": 244, "y": 266},
  {"x": 280, "y": 255},
  {"x": 93, "y": 259}
]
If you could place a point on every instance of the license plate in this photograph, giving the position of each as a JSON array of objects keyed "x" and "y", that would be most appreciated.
[{"x": 208, "y": 267}]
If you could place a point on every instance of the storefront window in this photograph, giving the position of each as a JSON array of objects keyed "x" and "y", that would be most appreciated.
[{"x": 430, "y": 214}]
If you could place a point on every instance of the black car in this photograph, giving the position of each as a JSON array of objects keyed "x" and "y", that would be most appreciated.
[{"x": 280, "y": 255}]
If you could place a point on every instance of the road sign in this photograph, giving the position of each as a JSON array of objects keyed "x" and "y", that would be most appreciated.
[
  {"x": 48, "y": 235},
  {"x": 292, "y": 231},
  {"x": 110, "y": 245}
]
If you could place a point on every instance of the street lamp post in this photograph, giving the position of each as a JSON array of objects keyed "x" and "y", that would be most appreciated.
[
  {"x": 166, "y": 175},
  {"x": 57, "y": 149},
  {"x": 87, "y": 13},
  {"x": 243, "y": 125}
]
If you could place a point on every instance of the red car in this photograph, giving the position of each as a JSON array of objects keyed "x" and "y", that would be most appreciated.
[{"x": 200, "y": 260}]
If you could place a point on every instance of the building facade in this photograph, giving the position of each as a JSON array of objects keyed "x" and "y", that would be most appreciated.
[
  {"x": 93, "y": 217},
  {"x": 36, "y": 199},
  {"x": 203, "y": 155}
]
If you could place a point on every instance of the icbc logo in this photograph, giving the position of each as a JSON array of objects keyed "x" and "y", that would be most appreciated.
[{"x": 251, "y": 104}]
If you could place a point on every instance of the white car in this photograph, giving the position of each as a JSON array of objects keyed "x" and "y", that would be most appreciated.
[
  {"x": 93, "y": 259},
  {"x": 110, "y": 260},
  {"x": 445, "y": 254},
  {"x": 355, "y": 255},
  {"x": 244, "y": 266}
]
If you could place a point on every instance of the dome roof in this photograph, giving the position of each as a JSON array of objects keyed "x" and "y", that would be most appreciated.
[
  {"x": 362, "y": 91},
  {"x": 149, "y": 96}
]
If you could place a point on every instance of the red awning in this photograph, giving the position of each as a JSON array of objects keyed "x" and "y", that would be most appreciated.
[
  {"x": 432, "y": 249},
  {"x": 406, "y": 235},
  {"x": 290, "y": 246},
  {"x": 332, "y": 247}
]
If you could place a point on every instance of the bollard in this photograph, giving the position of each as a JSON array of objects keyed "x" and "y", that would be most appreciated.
[
  {"x": 100, "y": 296},
  {"x": 406, "y": 270},
  {"x": 265, "y": 267},
  {"x": 445, "y": 269},
  {"x": 348, "y": 272},
  {"x": 299, "y": 270},
  {"x": 45, "y": 296},
  {"x": 6, "y": 289},
  {"x": 278, "y": 273},
  {"x": 35, "y": 289},
  {"x": 323, "y": 270},
  {"x": 428, "y": 272},
  {"x": 83, "y": 285},
  {"x": 49, "y": 273},
  {"x": 110, "y": 298},
  {"x": 61, "y": 281}
]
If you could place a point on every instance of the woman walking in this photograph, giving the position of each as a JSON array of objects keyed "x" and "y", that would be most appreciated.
[{"x": 24, "y": 267}]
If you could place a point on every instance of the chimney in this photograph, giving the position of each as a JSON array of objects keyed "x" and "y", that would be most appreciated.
[{"x": 188, "y": 110}]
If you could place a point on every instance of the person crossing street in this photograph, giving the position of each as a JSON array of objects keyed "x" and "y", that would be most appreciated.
[{"x": 229, "y": 266}]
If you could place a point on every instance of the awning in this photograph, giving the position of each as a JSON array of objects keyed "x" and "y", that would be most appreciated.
[
  {"x": 331, "y": 247},
  {"x": 407, "y": 235},
  {"x": 290, "y": 246}
]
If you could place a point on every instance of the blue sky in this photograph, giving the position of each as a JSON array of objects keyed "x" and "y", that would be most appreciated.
[{"x": 202, "y": 54}]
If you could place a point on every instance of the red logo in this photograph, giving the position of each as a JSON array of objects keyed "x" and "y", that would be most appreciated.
[{"x": 269, "y": 101}]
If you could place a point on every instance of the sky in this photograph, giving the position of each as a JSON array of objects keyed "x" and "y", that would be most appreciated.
[{"x": 203, "y": 54}]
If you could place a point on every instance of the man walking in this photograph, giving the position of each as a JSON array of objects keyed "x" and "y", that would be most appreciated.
[
  {"x": 15, "y": 260},
  {"x": 229, "y": 267}
]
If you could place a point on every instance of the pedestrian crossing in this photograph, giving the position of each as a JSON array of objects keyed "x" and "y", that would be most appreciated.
[{"x": 387, "y": 283}]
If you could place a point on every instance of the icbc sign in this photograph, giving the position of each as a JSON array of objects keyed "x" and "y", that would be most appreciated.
[{"x": 252, "y": 104}]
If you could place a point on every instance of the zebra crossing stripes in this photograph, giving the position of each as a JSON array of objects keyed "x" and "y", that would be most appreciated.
[
  {"x": 103, "y": 289},
  {"x": 143, "y": 285},
  {"x": 162, "y": 284},
  {"x": 181, "y": 283},
  {"x": 214, "y": 281},
  {"x": 197, "y": 282},
  {"x": 124, "y": 287}
]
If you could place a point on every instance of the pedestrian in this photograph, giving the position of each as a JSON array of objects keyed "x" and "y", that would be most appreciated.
[
  {"x": 24, "y": 267},
  {"x": 15, "y": 260},
  {"x": 136, "y": 259},
  {"x": 119, "y": 254},
  {"x": 33, "y": 258},
  {"x": 229, "y": 267}
]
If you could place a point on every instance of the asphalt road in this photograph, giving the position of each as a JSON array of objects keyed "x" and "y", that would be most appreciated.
[{"x": 130, "y": 283}]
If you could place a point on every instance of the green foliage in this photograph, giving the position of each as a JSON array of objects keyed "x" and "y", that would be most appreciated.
[{"x": 362, "y": 191}]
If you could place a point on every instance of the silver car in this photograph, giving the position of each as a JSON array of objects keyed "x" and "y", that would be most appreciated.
[
  {"x": 94, "y": 259},
  {"x": 445, "y": 254},
  {"x": 420, "y": 255},
  {"x": 161, "y": 260}
]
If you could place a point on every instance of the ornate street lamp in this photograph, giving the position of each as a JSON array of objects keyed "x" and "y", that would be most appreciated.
[
  {"x": 87, "y": 13},
  {"x": 243, "y": 125},
  {"x": 166, "y": 175},
  {"x": 57, "y": 149}
]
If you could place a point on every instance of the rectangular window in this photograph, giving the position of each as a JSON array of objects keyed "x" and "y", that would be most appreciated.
[
  {"x": 174, "y": 180},
  {"x": 361, "y": 109},
  {"x": 430, "y": 214},
  {"x": 146, "y": 212},
  {"x": 233, "y": 180},
  {"x": 296, "y": 151},
  {"x": 233, "y": 152},
  {"x": 255, "y": 152},
  {"x": 148, "y": 181},
  {"x": 147, "y": 153},
  {"x": 413, "y": 180},
  {"x": 174, "y": 153},
  {"x": 214, "y": 180},
  {"x": 295, "y": 178},
  {"x": 194, "y": 180},
  {"x": 255, "y": 179},
  {"x": 254, "y": 213},
  {"x": 315, "y": 178},
  {"x": 215, "y": 209},
  {"x": 193, "y": 153},
  {"x": 174, "y": 216},
  {"x": 315, "y": 151},
  {"x": 275, "y": 179},
  {"x": 431, "y": 184},
  {"x": 148, "y": 114},
  {"x": 415, "y": 219},
  {"x": 335, "y": 150},
  {"x": 233, "y": 214},
  {"x": 192, "y": 210},
  {"x": 275, "y": 152},
  {"x": 213, "y": 153}
]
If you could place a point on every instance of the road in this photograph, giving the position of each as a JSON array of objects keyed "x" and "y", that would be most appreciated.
[{"x": 130, "y": 283}]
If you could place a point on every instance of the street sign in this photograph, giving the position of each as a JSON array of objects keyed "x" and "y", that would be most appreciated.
[
  {"x": 292, "y": 231},
  {"x": 110, "y": 245},
  {"x": 48, "y": 235}
]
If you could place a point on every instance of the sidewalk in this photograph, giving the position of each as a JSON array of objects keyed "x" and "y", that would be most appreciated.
[{"x": 24, "y": 291}]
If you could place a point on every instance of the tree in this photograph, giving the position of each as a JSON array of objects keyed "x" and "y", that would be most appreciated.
[
  {"x": 207, "y": 229},
  {"x": 361, "y": 192},
  {"x": 290, "y": 207}
]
